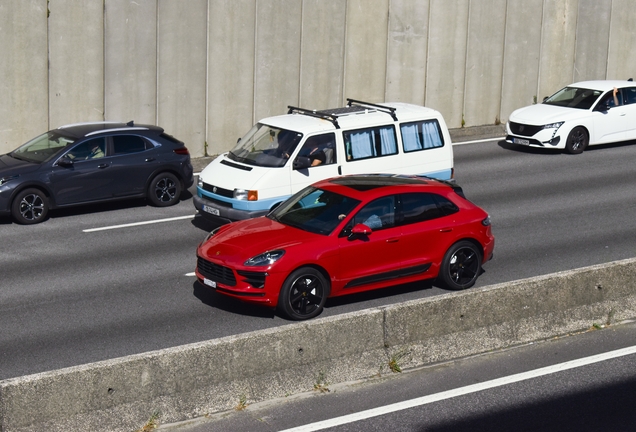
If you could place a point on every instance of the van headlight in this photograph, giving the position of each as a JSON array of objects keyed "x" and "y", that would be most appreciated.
[
  {"x": 266, "y": 258},
  {"x": 245, "y": 195}
]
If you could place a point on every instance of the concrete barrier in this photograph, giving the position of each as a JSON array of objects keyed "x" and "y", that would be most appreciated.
[{"x": 193, "y": 380}]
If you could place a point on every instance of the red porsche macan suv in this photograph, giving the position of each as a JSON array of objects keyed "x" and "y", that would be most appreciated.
[{"x": 346, "y": 235}]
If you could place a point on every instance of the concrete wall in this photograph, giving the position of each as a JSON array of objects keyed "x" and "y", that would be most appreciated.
[
  {"x": 193, "y": 380},
  {"x": 206, "y": 70}
]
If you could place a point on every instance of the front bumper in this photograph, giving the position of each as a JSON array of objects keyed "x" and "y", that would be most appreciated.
[
  {"x": 223, "y": 213},
  {"x": 251, "y": 286}
]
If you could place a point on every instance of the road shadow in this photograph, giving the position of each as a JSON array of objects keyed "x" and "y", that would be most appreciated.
[
  {"x": 211, "y": 298},
  {"x": 548, "y": 151}
]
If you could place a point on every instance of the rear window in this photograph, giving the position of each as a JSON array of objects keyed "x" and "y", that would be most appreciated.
[
  {"x": 370, "y": 143},
  {"x": 419, "y": 207},
  {"x": 421, "y": 135}
]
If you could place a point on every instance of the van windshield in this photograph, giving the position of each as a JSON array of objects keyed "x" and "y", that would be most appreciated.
[{"x": 265, "y": 146}]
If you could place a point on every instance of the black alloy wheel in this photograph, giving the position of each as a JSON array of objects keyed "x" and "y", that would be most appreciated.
[
  {"x": 461, "y": 266},
  {"x": 303, "y": 294},
  {"x": 164, "y": 190},
  {"x": 577, "y": 140},
  {"x": 30, "y": 207}
]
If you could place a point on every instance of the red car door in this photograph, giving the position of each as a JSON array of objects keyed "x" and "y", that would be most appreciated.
[{"x": 374, "y": 257}]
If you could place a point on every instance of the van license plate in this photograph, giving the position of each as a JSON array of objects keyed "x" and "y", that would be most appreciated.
[
  {"x": 209, "y": 282},
  {"x": 211, "y": 210},
  {"x": 521, "y": 141}
]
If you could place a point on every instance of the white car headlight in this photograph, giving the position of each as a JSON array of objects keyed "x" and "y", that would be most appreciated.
[
  {"x": 553, "y": 125},
  {"x": 265, "y": 258}
]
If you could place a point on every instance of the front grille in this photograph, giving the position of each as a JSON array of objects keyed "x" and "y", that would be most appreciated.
[
  {"x": 217, "y": 190},
  {"x": 255, "y": 279},
  {"x": 215, "y": 272},
  {"x": 523, "y": 129}
]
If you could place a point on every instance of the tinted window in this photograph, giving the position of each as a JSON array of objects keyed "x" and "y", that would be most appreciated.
[
  {"x": 421, "y": 135},
  {"x": 418, "y": 207},
  {"x": 123, "y": 144},
  {"x": 369, "y": 143},
  {"x": 314, "y": 210},
  {"x": 629, "y": 95},
  {"x": 92, "y": 149},
  {"x": 378, "y": 214}
]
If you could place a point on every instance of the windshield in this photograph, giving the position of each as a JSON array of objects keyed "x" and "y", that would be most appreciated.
[
  {"x": 43, "y": 147},
  {"x": 314, "y": 210},
  {"x": 265, "y": 146},
  {"x": 573, "y": 97}
]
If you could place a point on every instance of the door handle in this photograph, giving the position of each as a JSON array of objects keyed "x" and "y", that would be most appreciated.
[
  {"x": 446, "y": 230},
  {"x": 150, "y": 159},
  {"x": 102, "y": 166},
  {"x": 392, "y": 240}
]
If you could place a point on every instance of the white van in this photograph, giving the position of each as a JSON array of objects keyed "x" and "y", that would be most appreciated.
[{"x": 280, "y": 155}]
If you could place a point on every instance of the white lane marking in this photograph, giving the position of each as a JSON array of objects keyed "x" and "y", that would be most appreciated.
[
  {"x": 479, "y": 141},
  {"x": 363, "y": 415},
  {"x": 190, "y": 274},
  {"x": 137, "y": 224}
]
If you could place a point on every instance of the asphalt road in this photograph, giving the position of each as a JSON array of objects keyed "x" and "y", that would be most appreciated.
[{"x": 69, "y": 296}]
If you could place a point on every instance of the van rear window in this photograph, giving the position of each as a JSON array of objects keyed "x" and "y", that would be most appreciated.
[{"x": 421, "y": 135}]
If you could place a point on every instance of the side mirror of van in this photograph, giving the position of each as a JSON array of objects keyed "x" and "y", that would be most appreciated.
[{"x": 302, "y": 162}]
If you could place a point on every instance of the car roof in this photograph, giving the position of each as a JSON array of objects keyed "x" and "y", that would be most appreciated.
[
  {"x": 371, "y": 186},
  {"x": 81, "y": 130},
  {"x": 350, "y": 117},
  {"x": 603, "y": 85}
]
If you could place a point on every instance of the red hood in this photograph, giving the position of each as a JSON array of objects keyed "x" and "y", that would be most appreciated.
[{"x": 244, "y": 239}]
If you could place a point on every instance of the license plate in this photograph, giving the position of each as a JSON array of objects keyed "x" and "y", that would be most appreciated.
[
  {"x": 211, "y": 210},
  {"x": 521, "y": 141},
  {"x": 209, "y": 282}
]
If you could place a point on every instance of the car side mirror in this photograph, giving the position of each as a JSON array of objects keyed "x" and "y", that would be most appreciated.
[
  {"x": 302, "y": 162},
  {"x": 360, "y": 230},
  {"x": 65, "y": 161}
]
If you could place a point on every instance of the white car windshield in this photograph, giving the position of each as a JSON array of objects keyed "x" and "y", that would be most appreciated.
[
  {"x": 265, "y": 146},
  {"x": 573, "y": 97}
]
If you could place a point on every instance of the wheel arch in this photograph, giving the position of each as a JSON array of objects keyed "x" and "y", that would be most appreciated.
[
  {"x": 162, "y": 170},
  {"x": 39, "y": 186}
]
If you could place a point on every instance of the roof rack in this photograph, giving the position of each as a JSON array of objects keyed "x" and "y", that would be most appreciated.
[
  {"x": 88, "y": 123},
  {"x": 313, "y": 113},
  {"x": 383, "y": 108}
]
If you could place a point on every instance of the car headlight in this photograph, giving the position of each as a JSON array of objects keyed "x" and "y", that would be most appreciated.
[
  {"x": 200, "y": 182},
  {"x": 246, "y": 195},
  {"x": 553, "y": 125},
  {"x": 6, "y": 179},
  {"x": 265, "y": 258}
]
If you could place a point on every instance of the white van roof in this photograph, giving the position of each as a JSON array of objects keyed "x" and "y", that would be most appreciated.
[{"x": 355, "y": 115}]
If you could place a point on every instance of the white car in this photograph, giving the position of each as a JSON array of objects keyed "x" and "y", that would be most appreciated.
[{"x": 581, "y": 114}]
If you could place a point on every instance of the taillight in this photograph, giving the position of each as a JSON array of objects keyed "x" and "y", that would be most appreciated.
[{"x": 182, "y": 151}]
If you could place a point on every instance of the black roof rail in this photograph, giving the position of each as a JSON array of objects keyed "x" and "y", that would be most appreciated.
[
  {"x": 386, "y": 109},
  {"x": 313, "y": 113}
]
